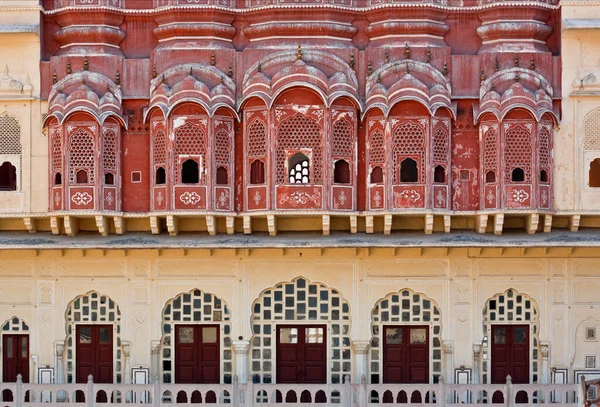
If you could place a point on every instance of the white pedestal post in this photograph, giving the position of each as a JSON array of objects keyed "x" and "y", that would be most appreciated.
[{"x": 241, "y": 360}]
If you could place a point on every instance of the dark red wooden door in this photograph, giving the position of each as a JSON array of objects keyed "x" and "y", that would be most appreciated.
[
  {"x": 94, "y": 353},
  {"x": 197, "y": 355},
  {"x": 406, "y": 354},
  {"x": 15, "y": 360},
  {"x": 510, "y": 356},
  {"x": 301, "y": 354}
]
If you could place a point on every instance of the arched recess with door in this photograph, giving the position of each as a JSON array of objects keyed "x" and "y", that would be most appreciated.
[
  {"x": 10, "y": 153},
  {"x": 516, "y": 125},
  {"x": 15, "y": 352},
  {"x": 196, "y": 344},
  {"x": 85, "y": 122},
  {"x": 308, "y": 323},
  {"x": 194, "y": 169},
  {"x": 305, "y": 104},
  {"x": 408, "y": 116}
]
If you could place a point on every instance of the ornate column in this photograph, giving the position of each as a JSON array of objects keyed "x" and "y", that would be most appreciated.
[
  {"x": 449, "y": 361},
  {"x": 155, "y": 361},
  {"x": 241, "y": 360},
  {"x": 476, "y": 354},
  {"x": 60, "y": 349},
  {"x": 126, "y": 346},
  {"x": 545, "y": 350},
  {"x": 361, "y": 360}
]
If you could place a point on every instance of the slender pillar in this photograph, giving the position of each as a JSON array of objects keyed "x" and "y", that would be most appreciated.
[
  {"x": 449, "y": 361},
  {"x": 476, "y": 355},
  {"x": 241, "y": 360},
  {"x": 361, "y": 360},
  {"x": 545, "y": 350},
  {"x": 60, "y": 374},
  {"x": 155, "y": 361}
]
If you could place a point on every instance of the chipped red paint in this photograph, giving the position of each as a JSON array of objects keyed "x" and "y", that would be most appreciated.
[{"x": 463, "y": 88}]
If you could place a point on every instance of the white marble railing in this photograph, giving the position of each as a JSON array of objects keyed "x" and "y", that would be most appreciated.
[{"x": 90, "y": 394}]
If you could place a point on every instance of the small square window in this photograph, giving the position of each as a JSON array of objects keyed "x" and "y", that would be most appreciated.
[
  {"x": 136, "y": 177},
  {"x": 591, "y": 334},
  {"x": 590, "y": 361}
]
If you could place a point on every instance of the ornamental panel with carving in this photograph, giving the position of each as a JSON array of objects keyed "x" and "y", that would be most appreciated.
[
  {"x": 299, "y": 197},
  {"x": 190, "y": 197},
  {"x": 56, "y": 199},
  {"x": 342, "y": 197},
  {"x": 376, "y": 197},
  {"x": 412, "y": 196},
  {"x": 223, "y": 198},
  {"x": 440, "y": 196},
  {"x": 490, "y": 197},
  {"x": 81, "y": 197},
  {"x": 160, "y": 198},
  {"x": 518, "y": 196},
  {"x": 257, "y": 198},
  {"x": 110, "y": 199}
]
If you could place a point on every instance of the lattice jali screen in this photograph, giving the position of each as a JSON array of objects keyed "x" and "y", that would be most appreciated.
[
  {"x": 440, "y": 145},
  {"x": 405, "y": 308},
  {"x": 256, "y": 139},
  {"x": 544, "y": 147},
  {"x": 490, "y": 148},
  {"x": 591, "y": 131},
  {"x": 409, "y": 140},
  {"x": 10, "y": 135},
  {"x": 93, "y": 308},
  {"x": 195, "y": 307},
  {"x": 512, "y": 307},
  {"x": 377, "y": 148},
  {"x": 223, "y": 148},
  {"x": 160, "y": 148},
  {"x": 190, "y": 139},
  {"x": 109, "y": 150},
  {"x": 518, "y": 150},
  {"x": 300, "y": 132},
  {"x": 81, "y": 155},
  {"x": 304, "y": 301},
  {"x": 56, "y": 148},
  {"x": 342, "y": 139}
]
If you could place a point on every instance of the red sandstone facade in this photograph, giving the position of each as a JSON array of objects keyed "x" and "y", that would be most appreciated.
[{"x": 223, "y": 106}]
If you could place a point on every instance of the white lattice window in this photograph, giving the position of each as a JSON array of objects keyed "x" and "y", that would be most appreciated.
[
  {"x": 81, "y": 157},
  {"x": 405, "y": 307},
  {"x": 14, "y": 325},
  {"x": 507, "y": 308},
  {"x": 301, "y": 301},
  {"x": 409, "y": 140},
  {"x": 195, "y": 307},
  {"x": 299, "y": 169},
  {"x": 10, "y": 153},
  {"x": 591, "y": 131},
  {"x": 93, "y": 308},
  {"x": 590, "y": 361},
  {"x": 299, "y": 132},
  {"x": 591, "y": 334}
]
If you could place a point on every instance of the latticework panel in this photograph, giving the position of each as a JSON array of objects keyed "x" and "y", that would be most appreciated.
[
  {"x": 591, "y": 131},
  {"x": 377, "y": 148},
  {"x": 93, "y": 308},
  {"x": 518, "y": 150},
  {"x": 81, "y": 155},
  {"x": 409, "y": 139},
  {"x": 342, "y": 139},
  {"x": 56, "y": 146},
  {"x": 544, "y": 148},
  {"x": 191, "y": 140},
  {"x": 511, "y": 307},
  {"x": 160, "y": 148},
  {"x": 405, "y": 308},
  {"x": 440, "y": 145},
  {"x": 223, "y": 148},
  {"x": 10, "y": 135},
  {"x": 300, "y": 132},
  {"x": 109, "y": 151},
  {"x": 490, "y": 149},
  {"x": 304, "y": 301},
  {"x": 195, "y": 307},
  {"x": 256, "y": 139}
]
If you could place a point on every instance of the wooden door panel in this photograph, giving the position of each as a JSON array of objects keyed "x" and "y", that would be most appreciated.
[
  {"x": 510, "y": 353},
  {"x": 197, "y": 354},
  {"x": 301, "y": 354},
  {"x": 15, "y": 358},
  {"x": 94, "y": 353},
  {"x": 406, "y": 354}
]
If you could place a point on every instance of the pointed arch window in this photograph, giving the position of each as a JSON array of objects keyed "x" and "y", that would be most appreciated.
[{"x": 299, "y": 169}]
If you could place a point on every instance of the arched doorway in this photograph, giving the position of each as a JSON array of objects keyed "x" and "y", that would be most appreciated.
[{"x": 15, "y": 353}]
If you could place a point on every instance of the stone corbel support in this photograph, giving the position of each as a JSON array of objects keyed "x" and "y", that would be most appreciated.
[
  {"x": 326, "y": 224},
  {"x": 387, "y": 224},
  {"x": 30, "y": 224},
  {"x": 230, "y": 225},
  {"x": 120, "y": 225},
  {"x": 481, "y": 223},
  {"x": 241, "y": 349},
  {"x": 211, "y": 225},
  {"x": 247, "y": 223},
  {"x": 155, "y": 225},
  {"x": 272, "y": 225},
  {"x": 533, "y": 220},
  {"x": 71, "y": 225},
  {"x": 428, "y": 224},
  {"x": 369, "y": 223},
  {"x": 353, "y": 224},
  {"x": 574, "y": 223},
  {"x": 498, "y": 223},
  {"x": 361, "y": 351},
  {"x": 173, "y": 225},
  {"x": 55, "y": 225},
  {"x": 447, "y": 223},
  {"x": 547, "y": 223},
  {"x": 102, "y": 225}
]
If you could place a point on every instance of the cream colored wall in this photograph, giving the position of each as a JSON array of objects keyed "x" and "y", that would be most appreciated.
[
  {"x": 580, "y": 57},
  {"x": 37, "y": 287},
  {"x": 20, "y": 52}
]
